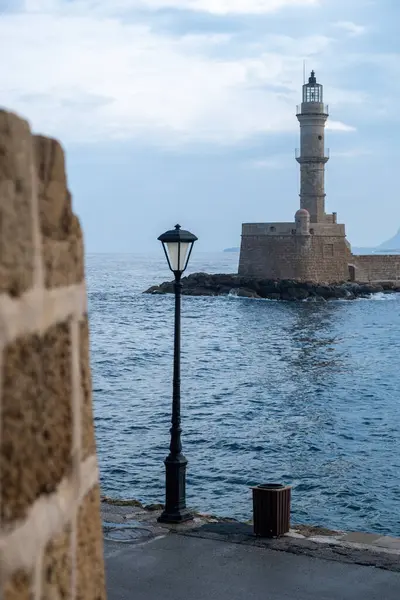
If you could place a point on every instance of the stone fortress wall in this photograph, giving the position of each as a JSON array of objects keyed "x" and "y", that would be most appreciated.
[
  {"x": 322, "y": 256},
  {"x": 376, "y": 267},
  {"x": 313, "y": 257},
  {"x": 50, "y": 527},
  {"x": 278, "y": 229}
]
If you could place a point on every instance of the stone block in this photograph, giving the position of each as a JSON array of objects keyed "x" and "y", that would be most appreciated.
[
  {"x": 88, "y": 437},
  {"x": 90, "y": 566},
  {"x": 37, "y": 419},
  {"x": 54, "y": 198},
  {"x": 18, "y": 587},
  {"x": 390, "y": 543},
  {"x": 61, "y": 231},
  {"x": 16, "y": 188},
  {"x": 57, "y": 568},
  {"x": 64, "y": 259},
  {"x": 359, "y": 537},
  {"x": 50, "y": 162}
]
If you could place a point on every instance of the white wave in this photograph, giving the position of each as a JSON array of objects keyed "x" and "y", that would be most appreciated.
[
  {"x": 378, "y": 297},
  {"x": 381, "y": 296}
]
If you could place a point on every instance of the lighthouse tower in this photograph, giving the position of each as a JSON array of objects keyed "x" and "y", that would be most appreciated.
[
  {"x": 314, "y": 246},
  {"x": 312, "y": 115}
]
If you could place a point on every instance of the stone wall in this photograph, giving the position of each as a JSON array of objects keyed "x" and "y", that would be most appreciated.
[
  {"x": 274, "y": 229},
  {"x": 376, "y": 267},
  {"x": 329, "y": 259},
  {"x": 305, "y": 258},
  {"x": 50, "y": 528},
  {"x": 328, "y": 229},
  {"x": 269, "y": 257}
]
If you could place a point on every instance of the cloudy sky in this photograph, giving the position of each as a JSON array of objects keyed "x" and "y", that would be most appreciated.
[{"x": 184, "y": 110}]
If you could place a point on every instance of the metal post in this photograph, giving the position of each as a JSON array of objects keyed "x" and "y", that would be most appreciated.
[{"x": 175, "y": 464}]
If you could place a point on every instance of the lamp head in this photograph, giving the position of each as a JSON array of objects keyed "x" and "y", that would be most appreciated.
[{"x": 178, "y": 245}]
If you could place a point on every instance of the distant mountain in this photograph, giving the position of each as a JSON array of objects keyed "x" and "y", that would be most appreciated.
[
  {"x": 231, "y": 249},
  {"x": 392, "y": 244}
]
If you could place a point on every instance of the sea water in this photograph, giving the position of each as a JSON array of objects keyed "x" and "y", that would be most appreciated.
[{"x": 303, "y": 393}]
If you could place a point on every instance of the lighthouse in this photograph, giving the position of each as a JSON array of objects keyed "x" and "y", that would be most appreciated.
[
  {"x": 313, "y": 247},
  {"x": 312, "y": 115}
]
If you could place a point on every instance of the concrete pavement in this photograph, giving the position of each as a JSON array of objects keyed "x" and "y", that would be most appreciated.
[
  {"x": 214, "y": 558},
  {"x": 175, "y": 566}
]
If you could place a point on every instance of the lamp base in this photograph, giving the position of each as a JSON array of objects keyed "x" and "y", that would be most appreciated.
[
  {"x": 175, "y": 510},
  {"x": 175, "y": 517}
]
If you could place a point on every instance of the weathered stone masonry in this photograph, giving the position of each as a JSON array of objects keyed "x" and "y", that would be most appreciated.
[
  {"x": 50, "y": 528},
  {"x": 301, "y": 257},
  {"x": 376, "y": 267}
]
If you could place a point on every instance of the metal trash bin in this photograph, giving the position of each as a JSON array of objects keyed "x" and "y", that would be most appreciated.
[{"x": 271, "y": 509}]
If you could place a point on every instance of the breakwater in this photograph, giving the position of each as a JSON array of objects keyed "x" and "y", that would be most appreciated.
[{"x": 205, "y": 284}]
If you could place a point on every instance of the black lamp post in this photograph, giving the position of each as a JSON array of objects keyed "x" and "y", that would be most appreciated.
[{"x": 177, "y": 245}]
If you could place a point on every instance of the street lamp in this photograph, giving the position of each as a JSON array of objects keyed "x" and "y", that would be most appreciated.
[{"x": 177, "y": 245}]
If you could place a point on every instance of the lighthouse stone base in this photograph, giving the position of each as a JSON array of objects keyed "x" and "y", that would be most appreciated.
[{"x": 300, "y": 250}]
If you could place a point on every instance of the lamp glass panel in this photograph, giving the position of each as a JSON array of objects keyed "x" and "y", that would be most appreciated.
[{"x": 177, "y": 256}]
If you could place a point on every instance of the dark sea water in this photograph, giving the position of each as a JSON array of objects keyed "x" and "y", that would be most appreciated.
[{"x": 302, "y": 393}]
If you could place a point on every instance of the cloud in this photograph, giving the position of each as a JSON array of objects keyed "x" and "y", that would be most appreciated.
[
  {"x": 88, "y": 77},
  {"x": 216, "y": 7},
  {"x": 225, "y": 7},
  {"x": 347, "y": 97},
  {"x": 351, "y": 28},
  {"x": 338, "y": 126},
  {"x": 351, "y": 153},
  {"x": 276, "y": 162}
]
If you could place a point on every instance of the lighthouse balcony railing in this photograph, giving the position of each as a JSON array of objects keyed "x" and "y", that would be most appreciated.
[
  {"x": 312, "y": 108},
  {"x": 311, "y": 157}
]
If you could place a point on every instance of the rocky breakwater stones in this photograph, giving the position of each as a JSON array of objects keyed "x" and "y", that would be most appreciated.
[{"x": 204, "y": 284}]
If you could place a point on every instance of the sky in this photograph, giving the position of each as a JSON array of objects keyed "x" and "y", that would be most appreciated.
[{"x": 184, "y": 110}]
